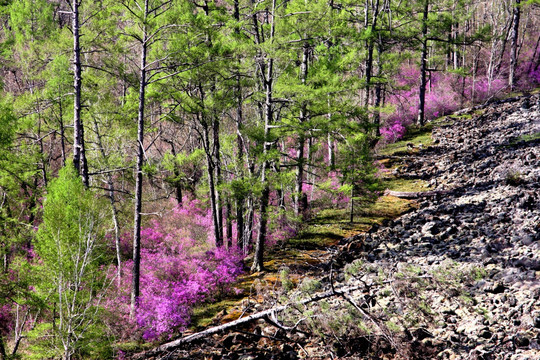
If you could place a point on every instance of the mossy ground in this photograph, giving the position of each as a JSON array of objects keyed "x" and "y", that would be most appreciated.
[{"x": 527, "y": 138}]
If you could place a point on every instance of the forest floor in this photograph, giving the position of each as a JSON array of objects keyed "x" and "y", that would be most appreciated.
[
  {"x": 307, "y": 255},
  {"x": 452, "y": 274}
]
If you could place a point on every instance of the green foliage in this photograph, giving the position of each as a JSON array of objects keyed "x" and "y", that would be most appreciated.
[
  {"x": 310, "y": 286},
  {"x": 353, "y": 269},
  {"x": 71, "y": 246},
  {"x": 286, "y": 282},
  {"x": 7, "y": 127}
]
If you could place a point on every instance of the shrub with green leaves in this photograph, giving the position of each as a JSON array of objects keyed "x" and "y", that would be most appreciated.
[{"x": 71, "y": 247}]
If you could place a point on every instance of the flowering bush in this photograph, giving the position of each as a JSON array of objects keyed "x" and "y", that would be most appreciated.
[
  {"x": 393, "y": 132},
  {"x": 180, "y": 267}
]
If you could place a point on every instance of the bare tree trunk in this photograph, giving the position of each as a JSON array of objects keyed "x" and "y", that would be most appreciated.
[
  {"x": 258, "y": 264},
  {"x": 176, "y": 172},
  {"x": 228, "y": 230},
  {"x": 112, "y": 199},
  {"x": 240, "y": 147},
  {"x": 300, "y": 203},
  {"x": 212, "y": 185},
  {"x": 248, "y": 227},
  {"x": 370, "y": 47},
  {"x": 514, "y": 44},
  {"x": 378, "y": 92},
  {"x": 423, "y": 66},
  {"x": 62, "y": 128},
  {"x": 219, "y": 201},
  {"x": 79, "y": 153},
  {"x": 331, "y": 152},
  {"x": 135, "y": 291}
]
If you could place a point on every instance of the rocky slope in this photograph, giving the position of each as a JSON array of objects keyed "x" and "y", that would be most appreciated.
[
  {"x": 484, "y": 221},
  {"x": 456, "y": 278}
]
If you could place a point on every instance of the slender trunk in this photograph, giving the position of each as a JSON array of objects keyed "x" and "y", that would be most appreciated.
[
  {"x": 514, "y": 44},
  {"x": 370, "y": 44},
  {"x": 79, "y": 154},
  {"x": 228, "y": 233},
  {"x": 258, "y": 264},
  {"x": 423, "y": 67},
  {"x": 299, "y": 195},
  {"x": 378, "y": 92},
  {"x": 309, "y": 171},
  {"x": 531, "y": 65},
  {"x": 135, "y": 291},
  {"x": 177, "y": 184},
  {"x": 62, "y": 129},
  {"x": 351, "y": 214},
  {"x": 248, "y": 228},
  {"x": 506, "y": 31},
  {"x": 331, "y": 152},
  {"x": 212, "y": 186},
  {"x": 217, "y": 168},
  {"x": 112, "y": 199},
  {"x": 300, "y": 203},
  {"x": 240, "y": 146},
  {"x": 42, "y": 151}
]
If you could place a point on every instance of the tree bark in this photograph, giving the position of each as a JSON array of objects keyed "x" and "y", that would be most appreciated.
[
  {"x": 378, "y": 92},
  {"x": 112, "y": 199},
  {"x": 135, "y": 291},
  {"x": 240, "y": 147},
  {"x": 79, "y": 153},
  {"x": 370, "y": 47},
  {"x": 514, "y": 44},
  {"x": 258, "y": 263},
  {"x": 423, "y": 66},
  {"x": 212, "y": 185},
  {"x": 300, "y": 203},
  {"x": 219, "y": 201},
  {"x": 268, "y": 79}
]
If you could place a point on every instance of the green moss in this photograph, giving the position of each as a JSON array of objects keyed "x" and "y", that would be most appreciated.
[
  {"x": 397, "y": 184},
  {"x": 204, "y": 314},
  {"x": 527, "y": 138}
]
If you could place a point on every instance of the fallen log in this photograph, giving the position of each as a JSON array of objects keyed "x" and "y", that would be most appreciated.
[
  {"x": 415, "y": 194},
  {"x": 167, "y": 347}
]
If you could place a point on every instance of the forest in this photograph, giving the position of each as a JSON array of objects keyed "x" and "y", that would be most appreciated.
[{"x": 153, "y": 151}]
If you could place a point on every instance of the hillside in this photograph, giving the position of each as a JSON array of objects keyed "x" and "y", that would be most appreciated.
[
  {"x": 456, "y": 278},
  {"x": 173, "y": 170}
]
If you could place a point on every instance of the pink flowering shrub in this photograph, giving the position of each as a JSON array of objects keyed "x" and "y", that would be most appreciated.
[
  {"x": 180, "y": 267},
  {"x": 393, "y": 132},
  {"x": 329, "y": 193}
]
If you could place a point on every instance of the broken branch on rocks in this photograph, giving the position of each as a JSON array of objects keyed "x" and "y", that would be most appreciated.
[{"x": 230, "y": 325}]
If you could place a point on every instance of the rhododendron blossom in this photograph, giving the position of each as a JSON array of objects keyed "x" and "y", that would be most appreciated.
[{"x": 180, "y": 268}]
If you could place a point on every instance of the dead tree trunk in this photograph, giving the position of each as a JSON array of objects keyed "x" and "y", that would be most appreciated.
[{"x": 270, "y": 313}]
